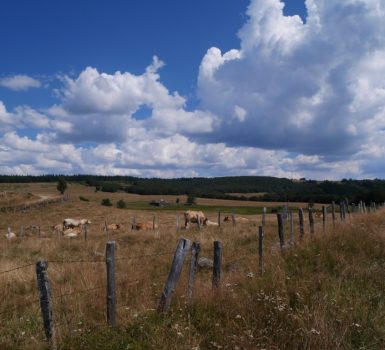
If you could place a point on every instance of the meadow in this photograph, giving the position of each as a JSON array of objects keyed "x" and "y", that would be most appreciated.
[{"x": 326, "y": 292}]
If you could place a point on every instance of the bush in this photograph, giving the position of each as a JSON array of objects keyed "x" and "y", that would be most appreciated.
[
  {"x": 107, "y": 202},
  {"x": 191, "y": 199},
  {"x": 84, "y": 199},
  {"x": 121, "y": 204}
]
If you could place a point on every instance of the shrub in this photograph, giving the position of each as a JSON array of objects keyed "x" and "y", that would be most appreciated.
[
  {"x": 121, "y": 204},
  {"x": 106, "y": 202},
  {"x": 84, "y": 199}
]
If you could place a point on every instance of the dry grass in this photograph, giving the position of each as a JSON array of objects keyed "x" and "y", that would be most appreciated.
[{"x": 326, "y": 293}]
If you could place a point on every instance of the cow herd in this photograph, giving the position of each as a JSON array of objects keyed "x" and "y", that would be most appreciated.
[{"x": 71, "y": 228}]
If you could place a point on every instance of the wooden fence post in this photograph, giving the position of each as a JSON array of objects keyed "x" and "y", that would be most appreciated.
[
  {"x": 217, "y": 266},
  {"x": 177, "y": 222},
  {"x": 111, "y": 291},
  {"x": 291, "y": 227},
  {"x": 324, "y": 217},
  {"x": 173, "y": 276},
  {"x": 153, "y": 222},
  {"x": 301, "y": 223},
  {"x": 260, "y": 249},
  {"x": 38, "y": 231},
  {"x": 106, "y": 229},
  {"x": 334, "y": 214},
  {"x": 264, "y": 216},
  {"x": 311, "y": 221},
  {"x": 195, "y": 249},
  {"x": 199, "y": 222},
  {"x": 233, "y": 219},
  {"x": 22, "y": 232},
  {"x": 85, "y": 232},
  {"x": 219, "y": 219},
  {"x": 281, "y": 232},
  {"x": 46, "y": 302}
]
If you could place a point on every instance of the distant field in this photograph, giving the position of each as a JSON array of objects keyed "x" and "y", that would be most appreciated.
[{"x": 247, "y": 195}]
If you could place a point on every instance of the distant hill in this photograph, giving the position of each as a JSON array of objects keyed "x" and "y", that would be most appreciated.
[{"x": 275, "y": 189}]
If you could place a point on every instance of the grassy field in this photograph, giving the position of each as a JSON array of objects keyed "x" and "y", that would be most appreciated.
[{"x": 326, "y": 292}]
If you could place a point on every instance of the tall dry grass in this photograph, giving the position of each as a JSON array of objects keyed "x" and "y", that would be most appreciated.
[{"x": 327, "y": 292}]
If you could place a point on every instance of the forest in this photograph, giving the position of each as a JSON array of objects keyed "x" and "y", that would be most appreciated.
[{"x": 232, "y": 187}]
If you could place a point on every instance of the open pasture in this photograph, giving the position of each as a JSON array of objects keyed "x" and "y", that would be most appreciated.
[{"x": 302, "y": 295}]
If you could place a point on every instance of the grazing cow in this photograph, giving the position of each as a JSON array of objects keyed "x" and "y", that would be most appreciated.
[
  {"x": 193, "y": 216},
  {"x": 113, "y": 227},
  {"x": 142, "y": 226},
  {"x": 238, "y": 219},
  {"x": 71, "y": 223}
]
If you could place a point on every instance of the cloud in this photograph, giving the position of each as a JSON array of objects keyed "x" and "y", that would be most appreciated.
[
  {"x": 311, "y": 88},
  {"x": 19, "y": 82}
]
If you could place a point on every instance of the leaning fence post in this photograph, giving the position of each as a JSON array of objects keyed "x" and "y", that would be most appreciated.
[
  {"x": 46, "y": 302},
  {"x": 195, "y": 249},
  {"x": 217, "y": 265},
  {"x": 281, "y": 232},
  {"x": 174, "y": 274},
  {"x": 301, "y": 223},
  {"x": 260, "y": 249},
  {"x": 311, "y": 221},
  {"x": 111, "y": 291}
]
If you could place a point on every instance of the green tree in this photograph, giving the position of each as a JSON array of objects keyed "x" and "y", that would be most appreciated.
[
  {"x": 61, "y": 185},
  {"x": 191, "y": 198}
]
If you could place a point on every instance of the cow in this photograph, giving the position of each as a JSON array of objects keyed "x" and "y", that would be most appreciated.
[
  {"x": 237, "y": 219},
  {"x": 193, "y": 216},
  {"x": 10, "y": 234},
  {"x": 72, "y": 232},
  {"x": 113, "y": 227},
  {"x": 71, "y": 223},
  {"x": 142, "y": 226},
  {"x": 210, "y": 223}
]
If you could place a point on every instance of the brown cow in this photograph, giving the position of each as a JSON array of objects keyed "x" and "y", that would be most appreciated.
[{"x": 143, "y": 226}]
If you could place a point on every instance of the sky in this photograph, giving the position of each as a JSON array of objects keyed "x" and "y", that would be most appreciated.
[{"x": 193, "y": 88}]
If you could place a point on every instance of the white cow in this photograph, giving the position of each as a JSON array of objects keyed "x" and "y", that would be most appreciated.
[
  {"x": 71, "y": 223},
  {"x": 10, "y": 234},
  {"x": 193, "y": 216}
]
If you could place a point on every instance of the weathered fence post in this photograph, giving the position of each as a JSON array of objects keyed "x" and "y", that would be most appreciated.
[
  {"x": 195, "y": 249},
  {"x": 334, "y": 213},
  {"x": 85, "y": 232},
  {"x": 324, "y": 217},
  {"x": 301, "y": 223},
  {"x": 153, "y": 222},
  {"x": 281, "y": 232},
  {"x": 177, "y": 222},
  {"x": 173, "y": 276},
  {"x": 217, "y": 266},
  {"x": 111, "y": 291},
  {"x": 199, "y": 222},
  {"x": 219, "y": 219},
  {"x": 106, "y": 229},
  {"x": 311, "y": 221},
  {"x": 233, "y": 219},
  {"x": 22, "y": 232},
  {"x": 133, "y": 223},
  {"x": 264, "y": 216},
  {"x": 260, "y": 248},
  {"x": 38, "y": 231},
  {"x": 46, "y": 302},
  {"x": 291, "y": 227}
]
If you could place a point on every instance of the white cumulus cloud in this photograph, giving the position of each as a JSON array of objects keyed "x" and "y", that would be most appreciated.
[{"x": 19, "y": 82}]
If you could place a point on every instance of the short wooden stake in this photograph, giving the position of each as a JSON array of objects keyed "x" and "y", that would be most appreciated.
[
  {"x": 217, "y": 266},
  {"x": 260, "y": 248},
  {"x": 46, "y": 302},
  {"x": 111, "y": 291},
  {"x": 281, "y": 232},
  {"x": 195, "y": 249},
  {"x": 301, "y": 223},
  {"x": 174, "y": 274}
]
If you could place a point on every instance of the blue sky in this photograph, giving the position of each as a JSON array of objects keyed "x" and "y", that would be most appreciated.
[{"x": 192, "y": 88}]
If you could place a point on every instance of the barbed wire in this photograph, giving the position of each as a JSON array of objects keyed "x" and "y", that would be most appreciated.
[{"x": 17, "y": 268}]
